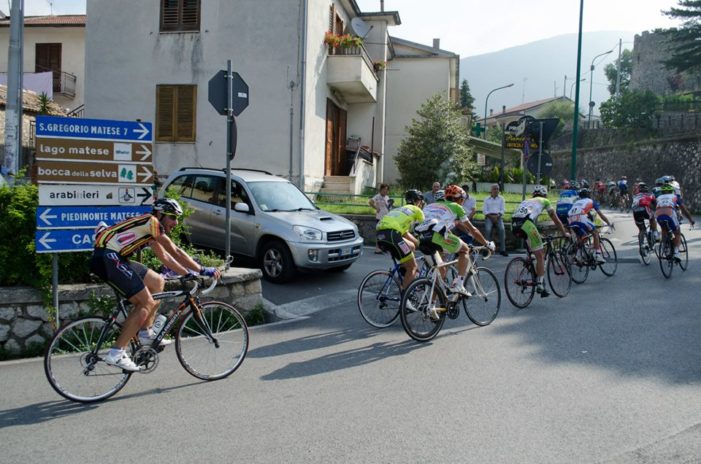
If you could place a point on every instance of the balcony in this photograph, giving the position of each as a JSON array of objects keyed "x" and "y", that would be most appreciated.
[{"x": 350, "y": 72}]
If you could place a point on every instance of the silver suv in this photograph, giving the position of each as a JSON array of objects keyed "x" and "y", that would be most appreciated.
[{"x": 272, "y": 221}]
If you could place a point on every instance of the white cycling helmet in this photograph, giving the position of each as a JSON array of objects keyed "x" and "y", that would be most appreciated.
[
  {"x": 168, "y": 206},
  {"x": 540, "y": 190}
]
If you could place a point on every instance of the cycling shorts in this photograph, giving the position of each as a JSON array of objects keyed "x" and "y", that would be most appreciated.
[
  {"x": 670, "y": 222},
  {"x": 564, "y": 219},
  {"x": 582, "y": 224},
  {"x": 450, "y": 242},
  {"x": 126, "y": 277},
  {"x": 392, "y": 241},
  {"x": 639, "y": 217},
  {"x": 525, "y": 228}
]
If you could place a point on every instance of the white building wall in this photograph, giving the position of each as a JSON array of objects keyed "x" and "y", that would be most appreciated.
[
  {"x": 411, "y": 82},
  {"x": 72, "y": 40}
]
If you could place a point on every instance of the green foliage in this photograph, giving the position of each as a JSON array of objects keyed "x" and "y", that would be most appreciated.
[
  {"x": 256, "y": 316},
  {"x": 436, "y": 148},
  {"x": 633, "y": 109},
  {"x": 611, "y": 71},
  {"x": 467, "y": 101},
  {"x": 684, "y": 42},
  {"x": 44, "y": 102},
  {"x": 562, "y": 109}
]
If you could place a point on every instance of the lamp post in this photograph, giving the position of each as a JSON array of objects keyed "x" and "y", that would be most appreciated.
[
  {"x": 591, "y": 84},
  {"x": 484, "y": 132},
  {"x": 571, "y": 86}
]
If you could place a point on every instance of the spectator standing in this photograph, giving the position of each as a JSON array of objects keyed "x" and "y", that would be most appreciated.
[
  {"x": 494, "y": 209},
  {"x": 470, "y": 205},
  {"x": 382, "y": 203},
  {"x": 430, "y": 196}
]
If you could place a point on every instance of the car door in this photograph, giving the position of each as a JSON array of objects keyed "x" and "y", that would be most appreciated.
[
  {"x": 244, "y": 233},
  {"x": 201, "y": 195}
]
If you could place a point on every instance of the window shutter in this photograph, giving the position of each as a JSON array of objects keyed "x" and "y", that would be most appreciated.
[
  {"x": 191, "y": 14},
  {"x": 186, "y": 113},
  {"x": 180, "y": 15},
  {"x": 332, "y": 17},
  {"x": 165, "y": 102}
]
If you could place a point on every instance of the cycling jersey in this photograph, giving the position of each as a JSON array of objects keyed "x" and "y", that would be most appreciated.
[
  {"x": 531, "y": 208},
  {"x": 564, "y": 202},
  {"x": 623, "y": 186},
  {"x": 665, "y": 210},
  {"x": 642, "y": 201},
  {"x": 599, "y": 187},
  {"x": 401, "y": 219},
  {"x": 580, "y": 215},
  {"x": 523, "y": 221},
  {"x": 443, "y": 214},
  {"x": 129, "y": 236}
]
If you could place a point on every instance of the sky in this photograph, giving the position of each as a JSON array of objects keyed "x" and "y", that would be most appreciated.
[{"x": 471, "y": 27}]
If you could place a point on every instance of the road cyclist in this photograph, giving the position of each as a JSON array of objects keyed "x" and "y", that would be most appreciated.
[
  {"x": 524, "y": 225},
  {"x": 665, "y": 204},
  {"x": 623, "y": 196},
  {"x": 581, "y": 221},
  {"x": 440, "y": 219},
  {"x": 642, "y": 211},
  {"x": 131, "y": 280}
]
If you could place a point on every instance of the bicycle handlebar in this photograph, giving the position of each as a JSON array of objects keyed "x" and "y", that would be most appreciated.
[{"x": 484, "y": 251}]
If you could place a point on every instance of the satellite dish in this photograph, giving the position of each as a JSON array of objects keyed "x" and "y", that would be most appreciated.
[{"x": 360, "y": 27}]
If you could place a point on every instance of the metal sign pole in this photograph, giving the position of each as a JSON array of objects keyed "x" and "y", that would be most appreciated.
[
  {"x": 54, "y": 285},
  {"x": 229, "y": 155},
  {"x": 540, "y": 151}
]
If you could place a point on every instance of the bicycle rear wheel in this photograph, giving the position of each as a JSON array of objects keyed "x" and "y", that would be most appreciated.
[
  {"x": 558, "y": 272},
  {"x": 519, "y": 282},
  {"x": 643, "y": 248},
  {"x": 577, "y": 260},
  {"x": 483, "y": 306},
  {"x": 683, "y": 253},
  {"x": 212, "y": 341},
  {"x": 666, "y": 257},
  {"x": 415, "y": 316},
  {"x": 608, "y": 252},
  {"x": 379, "y": 296},
  {"x": 74, "y": 366}
]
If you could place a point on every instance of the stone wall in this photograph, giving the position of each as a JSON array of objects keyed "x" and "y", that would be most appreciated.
[
  {"x": 24, "y": 320},
  {"x": 638, "y": 156}
]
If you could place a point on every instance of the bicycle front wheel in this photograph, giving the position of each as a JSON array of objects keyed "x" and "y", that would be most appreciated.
[
  {"x": 559, "y": 276},
  {"x": 483, "y": 306},
  {"x": 417, "y": 302},
  {"x": 608, "y": 252},
  {"x": 379, "y": 296},
  {"x": 212, "y": 340},
  {"x": 519, "y": 282},
  {"x": 73, "y": 361}
]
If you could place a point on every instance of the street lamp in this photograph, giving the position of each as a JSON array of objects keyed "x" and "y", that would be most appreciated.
[
  {"x": 484, "y": 132},
  {"x": 591, "y": 84},
  {"x": 571, "y": 86}
]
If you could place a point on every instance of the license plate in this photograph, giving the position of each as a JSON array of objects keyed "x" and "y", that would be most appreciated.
[{"x": 345, "y": 251}]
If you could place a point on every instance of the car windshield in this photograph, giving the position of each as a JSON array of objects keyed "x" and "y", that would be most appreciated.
[{"x": 279, "y": 196}]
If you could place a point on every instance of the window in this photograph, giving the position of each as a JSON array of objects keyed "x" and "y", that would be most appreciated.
[
  {"x": 175, "y": 113},
  {"x": 180, "y": 15}
]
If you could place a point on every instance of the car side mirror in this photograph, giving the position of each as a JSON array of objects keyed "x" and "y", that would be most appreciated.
[{"x": 242, "y": 207}]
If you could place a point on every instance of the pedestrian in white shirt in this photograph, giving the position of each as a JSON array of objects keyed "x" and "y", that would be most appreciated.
[
  {"x": 470, "y": 205},
  {"x": 494, "y": 209},
  {"x": 382, "y": 203}
]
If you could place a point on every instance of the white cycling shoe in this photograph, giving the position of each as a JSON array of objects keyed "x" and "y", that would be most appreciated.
[{"x": 120, "y": 359}]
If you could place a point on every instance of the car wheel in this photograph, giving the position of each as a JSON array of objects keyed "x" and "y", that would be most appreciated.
[{"x": 276, "y": 262}]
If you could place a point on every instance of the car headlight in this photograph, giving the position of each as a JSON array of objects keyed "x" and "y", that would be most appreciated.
[{"x": 308, "y": 233}]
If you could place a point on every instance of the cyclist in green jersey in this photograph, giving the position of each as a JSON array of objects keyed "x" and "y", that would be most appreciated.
[
  {"x": 393, "y": 234},
  {"x": 524, "y": 225}
]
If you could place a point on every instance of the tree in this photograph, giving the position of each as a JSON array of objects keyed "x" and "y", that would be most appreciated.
[
  {"x": 436, "y": 147},
  {"x": 562, "y": 109},
  {"x": 611, "y": 71},
  {"x": 633, "y": 109},
  {"x": 466, "y": 99},
  {"x": 684, "y": 42}
]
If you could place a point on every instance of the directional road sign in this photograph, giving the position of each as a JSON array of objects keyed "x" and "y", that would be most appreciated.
[
  {"x": 76, "y": 217},
  {"x": 96, "y": 129},
  {"x": 73, "y": 172},
  {"x": 94, "y": 195},
  {"x": 93, "y": 150},
  {"x": 64, "y": 240}
]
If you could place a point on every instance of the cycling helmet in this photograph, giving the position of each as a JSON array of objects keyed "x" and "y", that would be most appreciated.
[
  {"x": 624, "y": 178},
  {"x": 584, "y": 193},
  {"x": 666, "y": 188},
  {"x": 642, "y": 187},
  {"x": 659, "y": 181},
  {"x": 412, "y": 196},
  {"x": 439, "y": 195},
  {"x": 666, "y": 179},
  {"x": 584, "y": 184},
  {"x": 540, "y": 191},
  {"x": 454, "y": 192},
  {"x": 168, "y": 206}
]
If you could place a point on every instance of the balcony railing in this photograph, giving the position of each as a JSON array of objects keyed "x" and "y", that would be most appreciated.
[{"x": 64, "y": 83}]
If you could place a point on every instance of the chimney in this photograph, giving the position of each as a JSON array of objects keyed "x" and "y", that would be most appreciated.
[
  {"x": 491, "y": 112},
  {"x": 503, "y": 109},
  {"x": 382, "y": 5},
  {"x": 436, "y": 44}
]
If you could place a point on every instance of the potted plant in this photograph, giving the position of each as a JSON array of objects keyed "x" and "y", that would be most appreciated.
[{"x": 379, "y": 65}]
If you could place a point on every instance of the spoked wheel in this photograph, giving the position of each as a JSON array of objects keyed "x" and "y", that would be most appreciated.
[
  {"x": 666, "y": 257},
  {"x": 559, "y": 276},
  {"x": 644, "y": 249},
  {"x": 519, "y": 282},
  {"x": 379, "y": 296},
  {"x": 417, "y": 302},
  {"x": 73, "y": 367},
  {"x": 683, "y": 254},
  {"x": 212, "y": 342},
  {"x": 577, "y": 260},
  {"x": 483, "y": 306},
  {"x": 608, "y": 252}
]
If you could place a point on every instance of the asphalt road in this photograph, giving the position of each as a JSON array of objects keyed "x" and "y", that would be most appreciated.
[{"x": 610, "y": 374}]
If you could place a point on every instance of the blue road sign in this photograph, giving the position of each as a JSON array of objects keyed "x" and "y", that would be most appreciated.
[
  {"x": 64, "y": 240},
  {"x": 84, "y": 217},
  {"x": 95, "y": 129}
]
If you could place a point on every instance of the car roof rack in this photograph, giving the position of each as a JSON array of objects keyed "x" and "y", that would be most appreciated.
[
  {"x": 195, "y": 167},
  {"x": 248, "y": 169}
]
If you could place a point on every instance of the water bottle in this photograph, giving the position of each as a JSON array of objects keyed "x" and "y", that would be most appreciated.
[{"x": 158, "y": 324}]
